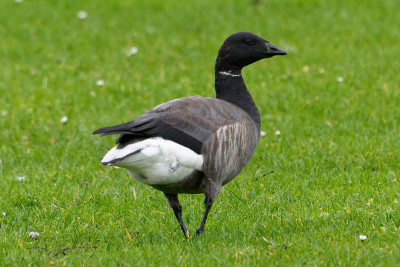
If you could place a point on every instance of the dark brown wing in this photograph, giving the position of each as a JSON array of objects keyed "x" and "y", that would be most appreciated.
[{"x": 187, "y": 121}]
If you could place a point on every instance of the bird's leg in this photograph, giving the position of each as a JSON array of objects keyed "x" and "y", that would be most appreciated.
[
  {"x": 173, "y": 202},
  {"x": 208, "y": 204},
  {"x": 212, "y": 191}
]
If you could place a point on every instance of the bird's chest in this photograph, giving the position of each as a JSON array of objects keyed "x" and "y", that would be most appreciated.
[{"x": 230, "y": 150}]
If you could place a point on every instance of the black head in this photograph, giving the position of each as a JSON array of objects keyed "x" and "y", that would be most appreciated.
[{"x": 243, "y": 48}]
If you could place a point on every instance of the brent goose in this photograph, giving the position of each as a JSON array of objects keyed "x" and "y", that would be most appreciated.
[{"x": 196, "y": 144}]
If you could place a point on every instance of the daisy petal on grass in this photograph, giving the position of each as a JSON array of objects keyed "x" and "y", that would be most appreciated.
[
  {"x": 82, "y": 14},
  {"x": 262, "y": 133},
  {"x": 64, "y": 119},
  {"x": 99, "y": 82},
  {"x": 33, "y": 235},
  {"x": 278, "y": 132},
  {"x": 20, "y": 178},
  {"x": 340, "y": 79},
  {"x": 132, "y": 51},
  {"x": 363, "y": 237}
]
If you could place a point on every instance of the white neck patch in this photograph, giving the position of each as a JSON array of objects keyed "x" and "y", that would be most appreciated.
[{"x": 229, "y": 74}]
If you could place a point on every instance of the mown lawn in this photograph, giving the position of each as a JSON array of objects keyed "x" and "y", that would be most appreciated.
[{"x": 326, "y": 172}]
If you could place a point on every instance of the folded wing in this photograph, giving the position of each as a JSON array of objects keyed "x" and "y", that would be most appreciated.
[{"x": 187, "y": 121}]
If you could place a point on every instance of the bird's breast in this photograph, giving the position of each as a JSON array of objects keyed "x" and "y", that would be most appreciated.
[{"x": 230, "y": 149}]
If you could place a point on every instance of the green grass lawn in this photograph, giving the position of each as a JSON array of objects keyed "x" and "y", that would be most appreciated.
[{"x": 331, "y": 175}]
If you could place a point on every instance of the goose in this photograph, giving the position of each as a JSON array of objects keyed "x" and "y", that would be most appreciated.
[{"x": 196, "y": 145}]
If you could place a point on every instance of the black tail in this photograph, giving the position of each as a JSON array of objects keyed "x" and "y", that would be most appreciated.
[{"x": 117, "y": 129}]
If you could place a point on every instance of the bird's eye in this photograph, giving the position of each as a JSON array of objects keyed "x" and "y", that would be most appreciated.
[{"x": 249, "y": 42}]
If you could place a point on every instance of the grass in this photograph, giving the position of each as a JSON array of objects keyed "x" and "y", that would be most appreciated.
[{"x": 304, "y": 199}]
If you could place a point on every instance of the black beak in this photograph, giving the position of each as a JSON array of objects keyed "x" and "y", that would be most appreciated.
[{"x": 274, "y": 51}]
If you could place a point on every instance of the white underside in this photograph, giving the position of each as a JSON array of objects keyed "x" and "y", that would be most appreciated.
[{"x": 156, "y": 161}]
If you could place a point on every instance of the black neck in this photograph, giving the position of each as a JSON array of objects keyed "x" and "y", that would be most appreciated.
[{"x": 229, "y": 86}]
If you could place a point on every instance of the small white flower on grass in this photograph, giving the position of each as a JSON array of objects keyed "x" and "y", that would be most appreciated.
[
  {"x": 363, "y": 237},
  {"x": 99, "y": 82},
  {"x": 132, "y": 51},
  {"x": 278, "y": 132},
  {"x": 4, "y": 214},
  {"x": 64, "y": 119},
  {"x": 262, "y": 133},
  {"x": 18, "y": 1},
  {"x": 20, "y": 178},
  {"x": 340, "y": 79},
  {"x": 33, "y": 235},
  {"x": 82, "y": 14},
  {"x": 4, "y": 113}
]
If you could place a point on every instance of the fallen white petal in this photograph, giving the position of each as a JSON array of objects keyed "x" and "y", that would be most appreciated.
[
  {"x": 132, "y": 51},
  {"x": 4, "y": 214},
  {"x": 363, "y": 237},
  {"x": 19, "y": 1},
  {"x": 64, "y": 119},
  {"x": 21, "y": 178},
  {"x": 262, "y": 133},
  {"x": 33, "y": 235},
  {"x": 278, "y": 132},
  {"x": 340, "y": 79},
  {"x": 99, "y": 82},
  {"x": 82, "y": 14}
]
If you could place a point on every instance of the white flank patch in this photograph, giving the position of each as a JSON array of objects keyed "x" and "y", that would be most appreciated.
[{"x": 155, "y": 161}]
